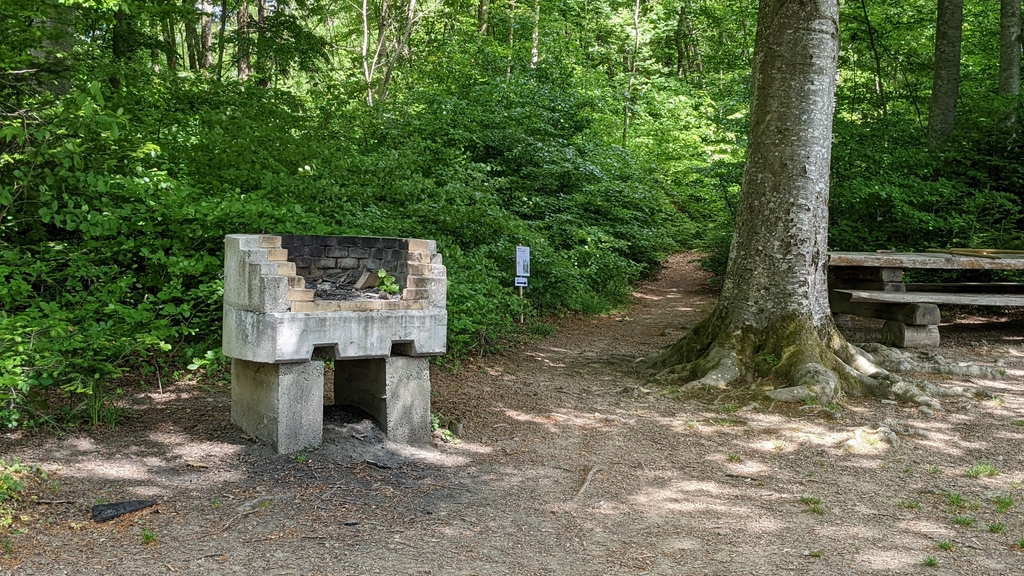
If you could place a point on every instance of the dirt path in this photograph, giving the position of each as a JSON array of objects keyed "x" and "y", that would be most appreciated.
[{"x": 567, "y": 465}]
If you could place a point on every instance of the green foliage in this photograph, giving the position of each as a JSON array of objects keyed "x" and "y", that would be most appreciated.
[
  {"x": 14, "y": 482},
  {"x": 983, "y": 469},
  {"x": 388, "y": 283},
  {"x": 891, "y": 192},
  {"x": 963, "y": 520},
  {"x": 813, "y": 504},
  {"x": 1003, "y": 503},
  {"x": 119, "y": 176}
]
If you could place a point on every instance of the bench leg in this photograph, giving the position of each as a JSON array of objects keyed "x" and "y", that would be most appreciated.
[
  {"x": 281, "y": 404},
  {"x": 908, "y": 336},
  {"x": 395, "y": 391}
]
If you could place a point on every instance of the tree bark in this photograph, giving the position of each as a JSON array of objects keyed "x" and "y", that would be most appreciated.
[
  {"x": 220, "y": 38},
  {"x": 511, "y": 36},
  {"x": 784, "y": 205},
  {"x": 772, "y": 323},
  {"x": 686, "y": 43},
  {"x": 243, "y": 52},
  {"x": 682, "y": 50},
  {"x": 1009, "y": 47},
  {"x": 192, "y": 39},
  {"x": 483, "y": 9},
  {"x": 1009, "y": 55},
  {"x": 263, "y": 64},
  {"x": 535, "y": 37},
  {"x": 879, "y": 84},
  {"x": 122, "y": 26},
  {"x": 400, "y": 47},
  {"x": 170, "y": 45},
  {"x": 206, "y": 35},
  {"x": 627, "y": 106},
  {"x": 774, "y": 303},
  {"x": 946, "y": 78}
]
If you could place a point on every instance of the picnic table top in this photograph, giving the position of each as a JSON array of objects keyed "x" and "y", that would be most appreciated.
[{"x": 926, "y": 260}]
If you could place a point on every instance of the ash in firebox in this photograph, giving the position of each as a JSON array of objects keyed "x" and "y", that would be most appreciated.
[{"x": 343, "y": 286}]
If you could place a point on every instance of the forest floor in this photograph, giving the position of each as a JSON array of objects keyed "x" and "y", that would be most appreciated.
[{"x": 567, "y": 463}]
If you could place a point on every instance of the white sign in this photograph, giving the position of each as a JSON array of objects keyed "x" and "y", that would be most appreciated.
[
  {"x": 520, "y": 281},
  {"x": 522, "y": 261}
]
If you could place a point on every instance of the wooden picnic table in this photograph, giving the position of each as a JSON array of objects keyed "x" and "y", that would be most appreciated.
[{"x": 871, "y": 284}]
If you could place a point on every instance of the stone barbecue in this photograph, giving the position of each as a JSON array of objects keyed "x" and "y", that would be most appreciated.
[{"x": 283, "y": 316}]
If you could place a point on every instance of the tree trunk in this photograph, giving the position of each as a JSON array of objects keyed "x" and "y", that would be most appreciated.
[
  {"x": 535, "y": 38},
  {"x": 170, "y": 45},
  {"x": 772, "y": 323},
  {"x": 946, "y": 78},
  {"x": 774, "y": 305},
  {"x": 263, "y": 63},
  {"x": 242, "y": 56},
  {"x": 206, "y": 35},
  {"x": 1009, "y": 57},
  {"x": 220, "y": 38},
  {"x": 192, "y": 40},
  {"x": 680, "y": 46},
  {"x": 1009, "y": 48},
  {"x": 879, "y": 85},
  {"x": 53, "y": 71},
  {"x": 122, "y": 27},
  {"x": 511, "y": 36},
  {"x": 627, "y": 106},
  {"x": 400, "y": 48},
  {"x": 482, "y": 15},
  {"x": 687, "y": 52}
]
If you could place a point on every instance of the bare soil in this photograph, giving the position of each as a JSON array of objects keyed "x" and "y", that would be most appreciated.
[{"x": 567, "y": 463}]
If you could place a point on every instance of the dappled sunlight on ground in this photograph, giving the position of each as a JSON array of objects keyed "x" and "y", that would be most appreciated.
[{"x": 566, "y": 461}]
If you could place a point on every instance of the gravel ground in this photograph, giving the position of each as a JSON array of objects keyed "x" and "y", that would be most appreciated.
[{"x": 567, "y": 462}]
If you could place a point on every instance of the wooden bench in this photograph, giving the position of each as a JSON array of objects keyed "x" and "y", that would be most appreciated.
[{"x": 871, "y": 284}]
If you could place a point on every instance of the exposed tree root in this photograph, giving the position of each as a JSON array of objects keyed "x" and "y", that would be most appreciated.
[
  {"x": 811, "y": 363},
  {"x": 923, "y": 361}
]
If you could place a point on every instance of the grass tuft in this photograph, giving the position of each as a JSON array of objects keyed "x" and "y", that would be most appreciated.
[
  {"x": 983, "y": 469},
  {"x": 1003, "y": 503},
  {"x": 813, "y": 504},
  {"x": 965, "y": 521}
]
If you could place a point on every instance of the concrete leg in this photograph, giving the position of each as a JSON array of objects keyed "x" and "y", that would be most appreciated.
[
  {"x": 395, "y": 391},
  {"x": 908, "y": 336},
  {"x": 281, "y": 404}
]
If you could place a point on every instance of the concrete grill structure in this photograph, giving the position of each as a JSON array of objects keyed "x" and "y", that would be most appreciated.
[{"x": 276, "y": 331}]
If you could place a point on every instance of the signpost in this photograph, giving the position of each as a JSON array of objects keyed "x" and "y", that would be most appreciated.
[
  {"x": 522, "y": 271},
  {"x": 522, "y": 260}
]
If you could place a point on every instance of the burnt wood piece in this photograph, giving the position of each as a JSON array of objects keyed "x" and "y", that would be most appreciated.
[
  {"x": 931, "y": 298},
  {"x": 914, "y": 313},
  {"x": 104, "y": 512}
]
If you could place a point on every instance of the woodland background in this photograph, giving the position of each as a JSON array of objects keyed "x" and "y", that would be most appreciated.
[{"x": 604, "y": 134}]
